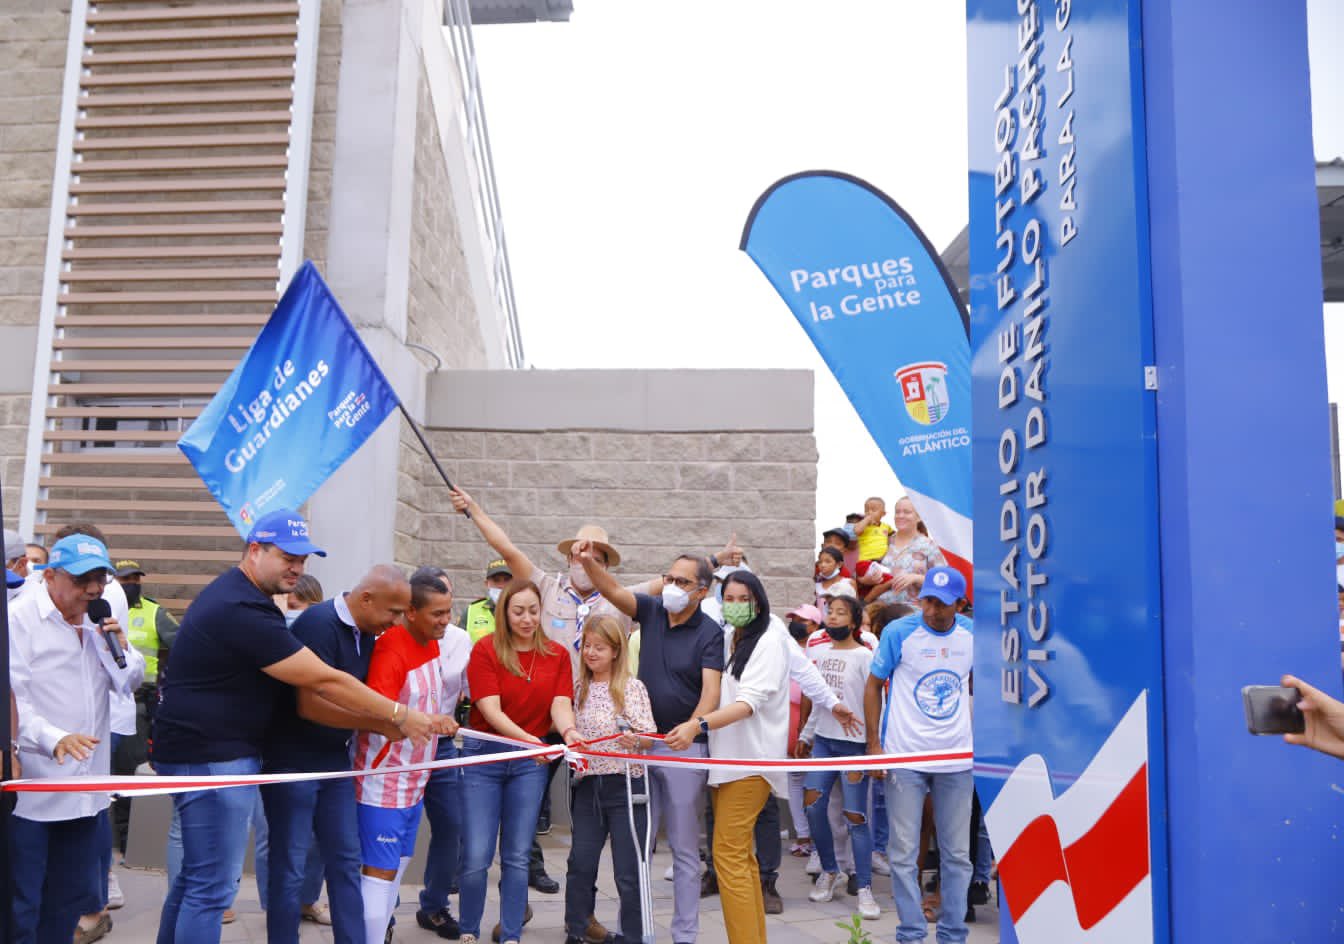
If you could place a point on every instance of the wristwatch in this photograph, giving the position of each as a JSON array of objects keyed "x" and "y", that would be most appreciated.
[{"x": 704, "y": 725}]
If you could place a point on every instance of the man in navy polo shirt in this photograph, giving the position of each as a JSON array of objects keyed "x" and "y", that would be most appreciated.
[
  {"x": 215, "y": 709},
  {"x": 681, "y": 664},
  {"x": 310, "y": 734}
]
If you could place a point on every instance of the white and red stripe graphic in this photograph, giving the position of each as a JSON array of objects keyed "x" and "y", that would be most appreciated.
[
  {"x": 1076, "y": 868},
  {"x": 422, "y": 690}
]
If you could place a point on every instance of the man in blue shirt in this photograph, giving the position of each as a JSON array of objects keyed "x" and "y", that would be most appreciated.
[
  {"x": 215, "y": 709},
  {"x": 927, "y": 658},
  {"x": 681, "y": 665},
  {"x": 310, "y": 734}
]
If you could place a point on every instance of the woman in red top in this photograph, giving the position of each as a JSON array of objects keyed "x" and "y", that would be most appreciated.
[{"x": 521, "y": 687}]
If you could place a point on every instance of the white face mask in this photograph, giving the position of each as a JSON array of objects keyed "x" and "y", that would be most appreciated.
[
  {"x": 494, "y": 594},
  {"x": 579, "y": 577},
  {"x": 675, "y": 598},
  {"x": 828, "y": 574}
]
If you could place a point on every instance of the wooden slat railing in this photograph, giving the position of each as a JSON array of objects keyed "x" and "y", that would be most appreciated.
[{"x": 170, "y": 263}]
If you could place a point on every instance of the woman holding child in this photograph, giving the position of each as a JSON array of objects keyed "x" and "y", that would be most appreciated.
[{"x": 910, "y": 555}]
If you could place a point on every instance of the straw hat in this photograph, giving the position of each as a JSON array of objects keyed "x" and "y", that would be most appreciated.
[{"x": 598, "y": 536}]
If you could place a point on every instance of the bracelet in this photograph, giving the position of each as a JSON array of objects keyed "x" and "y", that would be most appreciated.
[{"x": 395, "y": 706}]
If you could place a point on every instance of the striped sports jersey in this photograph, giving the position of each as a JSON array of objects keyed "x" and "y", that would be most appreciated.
[{"x": 410, "y": 673}]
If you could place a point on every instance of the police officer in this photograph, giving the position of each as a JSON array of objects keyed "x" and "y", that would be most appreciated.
[
  {"x": 150, "y": 630},
  {"x": 480, "y": 620}
]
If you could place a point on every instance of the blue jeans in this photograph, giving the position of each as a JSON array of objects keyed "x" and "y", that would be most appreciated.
[
  {"x": 214, "y": 841},
  {"x": 951, "y": 793},
  {"x": 303, "y": 819},
  {"x": 984, "y": 854},
  {"x": 505, "y": 800},
  {"x": 55, "y": 867},
  {"x": 104, "y": 845},
  {"x": 855, "y": 795},
  {"x": 599, "y": 811},
  {"x": 880, "y": 827},
  {"x": 312, "y": 882},
  {"x": 443, "y": 806}
]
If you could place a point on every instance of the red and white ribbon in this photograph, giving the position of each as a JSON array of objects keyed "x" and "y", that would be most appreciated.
[{"x": 577, "y": 756}]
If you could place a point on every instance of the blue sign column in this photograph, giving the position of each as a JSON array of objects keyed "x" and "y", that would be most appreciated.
[
  {"x": 1243, "y": 461},
  {"x": 1151, "y": 468}
]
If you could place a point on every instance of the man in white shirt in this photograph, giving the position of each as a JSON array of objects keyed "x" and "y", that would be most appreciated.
[
  {"x": 928, "y": 659},
  {"x": 62, "y": 674}
]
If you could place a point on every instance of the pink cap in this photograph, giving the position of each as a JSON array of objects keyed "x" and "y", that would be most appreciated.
[{"x": 807, "y": 612}]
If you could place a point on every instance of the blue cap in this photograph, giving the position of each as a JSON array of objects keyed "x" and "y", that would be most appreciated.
[
  {"x": 77, "y": 554},
  {"x": 12, "y": 579},
  {"x": 945, "y": 584},
  {"x": 286, "y": 530}
]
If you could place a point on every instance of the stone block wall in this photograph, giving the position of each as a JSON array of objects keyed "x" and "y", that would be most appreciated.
[
  {"x": 658, "y": 491},
  {"x": 33, "y": 38},
  {"x": 441, "y": 308},
  {"x": 322, "y": 144}
]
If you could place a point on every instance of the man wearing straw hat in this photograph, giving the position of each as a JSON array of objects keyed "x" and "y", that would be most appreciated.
[{"x": 567, "y": 600}]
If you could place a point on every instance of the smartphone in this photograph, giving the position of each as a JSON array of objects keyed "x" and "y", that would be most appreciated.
[{"x": 1272, "y": 709}]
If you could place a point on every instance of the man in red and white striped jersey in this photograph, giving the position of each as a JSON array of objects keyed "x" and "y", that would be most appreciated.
[{"x": 406, "y": 668}]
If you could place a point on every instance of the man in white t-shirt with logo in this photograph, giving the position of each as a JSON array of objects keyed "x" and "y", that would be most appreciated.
[{"x": 927, "y": 657}]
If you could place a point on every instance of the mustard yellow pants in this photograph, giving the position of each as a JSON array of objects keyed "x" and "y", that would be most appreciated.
[{"x": 736, "y": 806}]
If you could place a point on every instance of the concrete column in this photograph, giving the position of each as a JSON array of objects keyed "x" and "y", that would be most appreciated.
[{"x": 367, "y": 266}]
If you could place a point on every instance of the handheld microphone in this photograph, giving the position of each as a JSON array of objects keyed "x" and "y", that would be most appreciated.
[{"x": 100, "y": 610}]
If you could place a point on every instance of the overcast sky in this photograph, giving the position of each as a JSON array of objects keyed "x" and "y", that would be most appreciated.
[{"x": 631, "y": 142}]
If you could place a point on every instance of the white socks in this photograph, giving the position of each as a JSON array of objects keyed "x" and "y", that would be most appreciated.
[{"x": 380, "y": 900}]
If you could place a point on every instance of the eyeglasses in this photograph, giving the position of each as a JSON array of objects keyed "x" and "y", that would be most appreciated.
[
  {"x": 681, "y": 582},
  {"x": 94, "y": 578}
]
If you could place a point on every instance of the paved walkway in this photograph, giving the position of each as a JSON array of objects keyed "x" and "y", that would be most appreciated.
[{"x": 802, "y": 922}]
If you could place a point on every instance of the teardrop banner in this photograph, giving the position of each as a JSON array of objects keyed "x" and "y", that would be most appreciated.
[{"x": 872, "y": 293}]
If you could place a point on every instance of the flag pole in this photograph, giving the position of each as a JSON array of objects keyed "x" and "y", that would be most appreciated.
[{"x": 419, "y": 434}]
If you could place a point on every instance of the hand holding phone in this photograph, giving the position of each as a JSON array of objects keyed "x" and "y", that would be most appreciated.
[
  {"x": 1273, "y": 709},
  {"x": 1324, "y": 719}
]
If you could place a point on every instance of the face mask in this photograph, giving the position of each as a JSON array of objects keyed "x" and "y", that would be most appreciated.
[
  {"x": 798, "y": 630},
  {"x": 839, "y": 633},
  {"x": 739, "y": 614},
  {"x": 675, "y": 598},
  {"x": 494, "y": 593},
  {"x": 291, "y": 616},
  {"x": 1339, "y": 549},
  {"x": 579, "y": 577},
  {"x": 132, "y": 593},
  {"x": 828, "y": 574}
]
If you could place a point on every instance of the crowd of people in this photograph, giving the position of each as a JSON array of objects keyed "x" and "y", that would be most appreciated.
[{"x": 266, "y": 675}]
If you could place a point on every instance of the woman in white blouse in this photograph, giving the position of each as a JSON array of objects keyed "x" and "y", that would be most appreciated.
[{"x": 751, "y": 722}]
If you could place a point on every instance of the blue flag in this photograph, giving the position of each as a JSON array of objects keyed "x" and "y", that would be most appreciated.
[
  {"x": 304, "y": 398},
  {"x": 872, "y": 294}
]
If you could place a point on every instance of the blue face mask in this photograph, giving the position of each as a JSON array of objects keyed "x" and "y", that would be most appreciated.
[{"x": 1339, "y": 549}]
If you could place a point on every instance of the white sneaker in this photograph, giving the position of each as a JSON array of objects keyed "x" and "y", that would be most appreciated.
[
  {"x": 824, "y": 890},
  {"x": 467, "y": 939},
  {"x": 667, "y": 876},
  {"x": 115, "y": 899},
  {"x": 814, "y": 863},
  {"x": 868, "y": 905},
  {"x": 881, "y": 864}
]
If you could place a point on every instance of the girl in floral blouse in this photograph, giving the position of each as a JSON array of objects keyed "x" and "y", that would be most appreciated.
[{"x": 606, "y": 699}]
